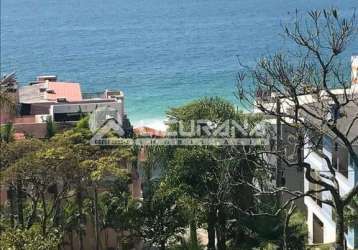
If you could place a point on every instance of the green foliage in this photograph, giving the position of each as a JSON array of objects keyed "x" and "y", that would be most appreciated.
[
  {"x": 351, "y": 212},
  {"x": 320, "y": 247},
  {"x": 7, "y": 100},
  {"x": 50, "y": 128},
  {"x": 29, "y": 239},
  {"x": 192, "y": 170},
  {"x": 297, "y": 232},
  {"x": 69, "y": 159},
  {"x": 164, "y": 218},
  {"x": 267, "y": 246},
  {"x": 7, "y": 132},
  {"x": 187, "y": 245},
  {"x": 214, "y": 108},
  {"x": 83, "y": 123},
  {"x": 127, "y": 127},
  {"x": 121, "y": 211},
  {"x": 10, "y": 152},
  {"x": 208, "y": 176},
  {"x": 266, "y": 232}
]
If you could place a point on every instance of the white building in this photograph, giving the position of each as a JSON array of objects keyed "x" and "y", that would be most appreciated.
[{"x": 320, "y": 217}]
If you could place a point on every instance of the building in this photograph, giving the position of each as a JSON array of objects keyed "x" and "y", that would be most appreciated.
[
  {"x": 62, "y": 102},
  {"x": 355, "y": 69},
  {"x": 321, "y": 217}
]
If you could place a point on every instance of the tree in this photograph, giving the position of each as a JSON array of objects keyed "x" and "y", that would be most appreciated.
[
  {"x": 109, "y": 172},
  {"x": 164, "y": 218},
  {"x": 29, "y": 239},
  {"x": 210, "y": 175},
  {"x": 119, "y": 211},
  {"x": 11, "y": 153},
  {"x": 351, "y": 212},
  {"x": 55, "y": 183},
  {"x": 279, "y": 85},
  {"x": 50, "y": 128},
  {"x": 39, "y": 173},
  {"x": 7, "y": 133},
  {"x": 7, "y": 85},
  {"x": 194, "y": 171}
]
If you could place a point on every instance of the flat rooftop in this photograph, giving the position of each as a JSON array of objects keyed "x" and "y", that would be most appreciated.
[{"x": 50, "y": 92}]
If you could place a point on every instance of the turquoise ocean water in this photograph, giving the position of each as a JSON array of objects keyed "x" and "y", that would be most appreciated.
[{"x": 161, "y": 53}]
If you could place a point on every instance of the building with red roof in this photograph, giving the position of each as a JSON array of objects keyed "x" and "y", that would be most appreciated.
[{"x": 62, "y": 102}]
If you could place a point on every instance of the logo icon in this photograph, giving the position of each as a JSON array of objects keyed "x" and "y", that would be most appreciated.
[{"x": 111, "y": 129}]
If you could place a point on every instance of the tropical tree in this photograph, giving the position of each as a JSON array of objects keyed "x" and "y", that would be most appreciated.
[
  {"x": 119, "y": 211},
  {"x": 194, "y": 172},
  {"x": 211, "y": 175},
  {"x": 164, "y": 218},
  {"x": 7, "y": 85}
]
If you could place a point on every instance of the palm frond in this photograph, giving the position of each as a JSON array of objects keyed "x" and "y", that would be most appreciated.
[{"x": 7, "y": 84}]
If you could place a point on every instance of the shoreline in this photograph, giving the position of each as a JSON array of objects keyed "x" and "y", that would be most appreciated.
[{"x": 156, "y": 123}]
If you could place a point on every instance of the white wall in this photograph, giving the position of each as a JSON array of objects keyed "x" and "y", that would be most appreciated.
[{"x": 324, "y": 213}]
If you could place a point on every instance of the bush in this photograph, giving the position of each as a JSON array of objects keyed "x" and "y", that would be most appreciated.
[
  {"x": 297, "y": 231},
  {"x": 29, "y": 239}
]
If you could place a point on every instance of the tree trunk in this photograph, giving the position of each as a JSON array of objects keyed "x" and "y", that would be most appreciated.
[
  {"x": 221, "y": 229},
  {"x": 162, "y": 245},
  {"x": 33, "y": 214},
  {"x": 211, "y": 228},
  {"x": 44, "y": 207},
  {"x": 56, "y": 201},
  {"x": 193, "y": 234},
  {"x": 96, "y": 218},
  {"x": 10, "y": 195},
  {"x": 339, "y": 228},
  {"x": 106, "y": 237},
  {"x": 80, "y": 212},
  {"x": 20, "y": 211},
  {"x": 71, "y": 240}
]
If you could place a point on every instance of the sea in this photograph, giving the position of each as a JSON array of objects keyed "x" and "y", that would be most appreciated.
[{"x": 161, "y": 53}]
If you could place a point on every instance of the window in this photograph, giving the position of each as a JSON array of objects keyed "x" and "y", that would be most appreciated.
[
  {"x": 317, "y": 230},
  {"x": 63, "y": 117},
  {"x": 317, "y": 197},
  {"x": 340, "y": 158}
]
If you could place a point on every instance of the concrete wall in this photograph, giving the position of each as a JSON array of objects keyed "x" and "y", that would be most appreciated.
[
  {"x": 40, "y": 108},
  {"x": 37, "y": 130},
  {"x": 5, "y": 116}
]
